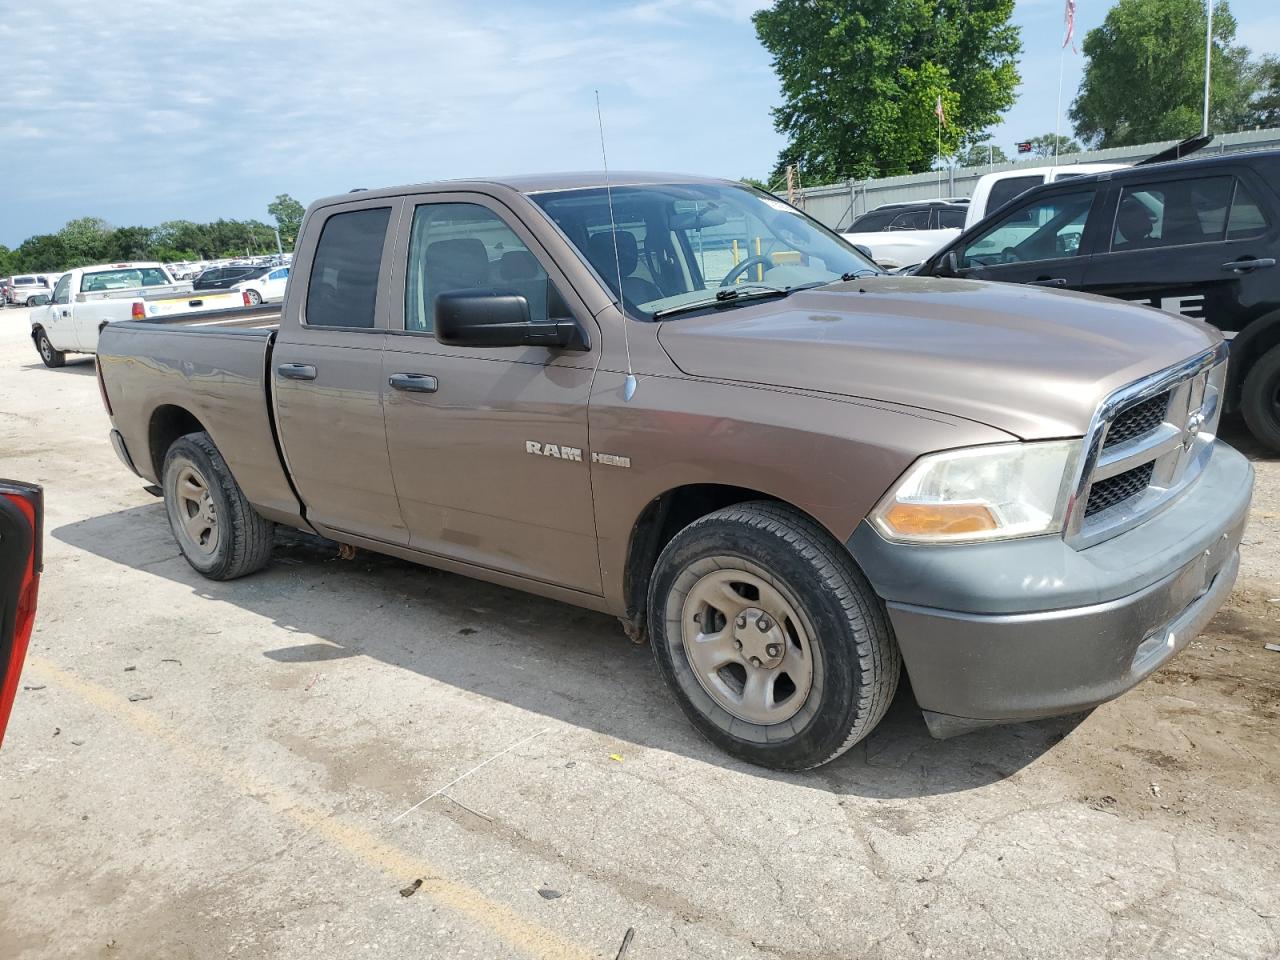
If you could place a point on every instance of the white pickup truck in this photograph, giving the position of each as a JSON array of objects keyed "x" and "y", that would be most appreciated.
[{"x": 87, "y": 298}]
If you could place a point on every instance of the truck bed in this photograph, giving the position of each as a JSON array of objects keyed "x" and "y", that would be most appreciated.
[{"x": 159, "y": 372}]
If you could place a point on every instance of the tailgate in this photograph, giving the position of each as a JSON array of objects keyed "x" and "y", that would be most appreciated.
[{"x": 192, "y": 301}]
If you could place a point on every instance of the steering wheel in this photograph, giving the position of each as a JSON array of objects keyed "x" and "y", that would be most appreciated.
[{"x": 732, "y": 276}]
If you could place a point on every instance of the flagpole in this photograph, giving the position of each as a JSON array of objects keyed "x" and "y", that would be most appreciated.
[
  {"x": 939, "y": 156},
  {"x": 1208, "y": 60},
  {"x": 1057, "y": 123}
]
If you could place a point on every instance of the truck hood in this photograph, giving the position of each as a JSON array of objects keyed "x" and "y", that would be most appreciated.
[{"x": 1035, "y": 363}]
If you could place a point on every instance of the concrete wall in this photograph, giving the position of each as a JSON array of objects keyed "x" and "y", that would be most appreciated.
[{"x": 837, "y": 205}]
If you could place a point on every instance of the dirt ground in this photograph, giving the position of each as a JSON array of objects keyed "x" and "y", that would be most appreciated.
[{"x": 198, "y": 769}]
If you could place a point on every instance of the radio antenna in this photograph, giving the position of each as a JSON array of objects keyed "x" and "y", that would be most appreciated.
[{"x": 629, "y": 385}]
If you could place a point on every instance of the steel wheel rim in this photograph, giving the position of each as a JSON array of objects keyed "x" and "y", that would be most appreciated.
[
  {"x": 747, "y": 646},
  {"x": 197, "y": 513}
]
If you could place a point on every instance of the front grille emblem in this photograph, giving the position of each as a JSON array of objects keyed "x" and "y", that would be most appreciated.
[{"x": 1192, "y": 430}]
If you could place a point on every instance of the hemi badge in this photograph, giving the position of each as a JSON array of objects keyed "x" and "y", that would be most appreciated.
[{"x": 610, "y": 460}]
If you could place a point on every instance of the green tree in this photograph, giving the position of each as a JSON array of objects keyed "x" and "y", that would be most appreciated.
[
  {"x": 44, "y": 252},
  {"x": 85, "y": 240},
  {"x": 1144, "y": 75},
  {"x": 130, "y": 243},
  {"x": 1042, "y": 146},
  {"x": 288, "y": 216},
  {"x": 861, "y": 78},
  {"x": 1264, "y": 106},
  {"x": 982, "y": 153}
]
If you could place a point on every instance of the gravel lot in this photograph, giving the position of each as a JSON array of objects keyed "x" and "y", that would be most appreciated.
[{"x": 200, "y": 770}]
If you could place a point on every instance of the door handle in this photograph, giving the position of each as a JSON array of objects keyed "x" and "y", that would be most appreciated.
[
  {"x": 1049, "y": 282},
  {"x": 1249, "y": 263},
  {"x": 296, "y": 371},
  {"x": 413, "y": 382},
  {"x": 66, "y": 313}
]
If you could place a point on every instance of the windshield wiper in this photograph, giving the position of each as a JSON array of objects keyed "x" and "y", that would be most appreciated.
[{"x": 724, "y": 296}]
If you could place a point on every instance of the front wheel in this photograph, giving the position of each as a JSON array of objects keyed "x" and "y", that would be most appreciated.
[
  {"x": 1260, "y": 402},
  {"x": 254, "y": 296},
  {"x": 48, "y": 354},
  {"x": 774, "y": 643},
  {"x": 217, "y": 529}
]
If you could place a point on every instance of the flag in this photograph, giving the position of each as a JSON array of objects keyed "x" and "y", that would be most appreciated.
[
  {"x": 1069, "y": 15},
  {"x": 939, "y": 112}
]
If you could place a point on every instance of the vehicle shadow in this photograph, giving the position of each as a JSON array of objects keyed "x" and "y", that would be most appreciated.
[
  {"x": 1235, "y": 432},
  {"x": 570, "y": 664},
  {"x": 80, "y": 365}
]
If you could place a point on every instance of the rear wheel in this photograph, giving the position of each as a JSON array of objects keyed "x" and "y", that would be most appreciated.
[
  {"x": 774, "y": 643},
  {"x": 254, "y": 296},
  {"x": 217, "y": 529},
  {"x": 1260, "y": 402},
  {"x": 50, "y": 356},
  {"x": 31, "y": 301}
]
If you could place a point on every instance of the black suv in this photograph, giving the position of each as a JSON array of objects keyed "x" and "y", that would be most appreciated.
[
  {"x": 1197, "y": 237},
  {"x": 223, "y": 278},
  {"x": 917, "y": 215}
]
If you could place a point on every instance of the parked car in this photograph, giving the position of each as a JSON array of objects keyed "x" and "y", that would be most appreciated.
[
  {"x": 1198, "y": 237},
  {"x": 21, "y": 539},
  {"x": 266, "y": 287},
  {"x": 224, "y": 278},
  {"x": 87, "y": 298},
  {"x": 791, "y": 471},
  {"x": 900, "y": 234},
  {"x": 23, "y": 289}
]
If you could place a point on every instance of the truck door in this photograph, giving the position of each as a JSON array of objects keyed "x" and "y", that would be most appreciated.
[
  {"x": 488, "y": 445},
  {"x": 58, "y": 322},
  {"x": 1198, "y": 244},
  {"x": 326, "y": 375},
  {"x": 1040, "y": 240}
]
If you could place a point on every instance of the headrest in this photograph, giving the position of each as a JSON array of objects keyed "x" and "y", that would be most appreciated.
[
  {"x": 518, "y": 265},
  {"x": 463, "y": 261},
  {"x": 600, "y": 253}
]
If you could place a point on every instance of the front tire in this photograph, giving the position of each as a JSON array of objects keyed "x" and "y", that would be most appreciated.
[
  {"x": 217, "y": 529},
  {"x": 255, "y": 297},
  {"x": 51, "y": 357},
  {"x": 1260, "y": 401},
  {"x": 772, "y": 640}
]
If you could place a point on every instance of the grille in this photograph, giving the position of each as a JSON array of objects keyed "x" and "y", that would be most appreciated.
[
  {"x": 1137, "y": 420},
  {"x": 1117, "y": 489}
]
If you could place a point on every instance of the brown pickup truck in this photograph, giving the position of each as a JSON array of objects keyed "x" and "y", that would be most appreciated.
[{"x": 685, "y": 403}]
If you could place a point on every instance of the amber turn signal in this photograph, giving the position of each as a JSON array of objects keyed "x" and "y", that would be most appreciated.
[{"x": 916, "y": 519}]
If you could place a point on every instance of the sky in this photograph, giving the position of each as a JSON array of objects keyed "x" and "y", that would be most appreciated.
[{"x": 147, "y": 111}]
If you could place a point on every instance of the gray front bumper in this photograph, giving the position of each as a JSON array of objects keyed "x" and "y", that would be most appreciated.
[{"x": 1033, "y": 628}]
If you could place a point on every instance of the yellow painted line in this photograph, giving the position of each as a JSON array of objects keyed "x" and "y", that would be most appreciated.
[{"x": 503, "y": 922}]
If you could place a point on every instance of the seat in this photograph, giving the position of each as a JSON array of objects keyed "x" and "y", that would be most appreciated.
[
  {"x": 458, "y": 264},
  {"x": 600, "y": 251},
  {"x": 518, "y": 265}
]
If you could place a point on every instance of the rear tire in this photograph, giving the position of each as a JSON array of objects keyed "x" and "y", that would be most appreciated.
[
  {"x": 255, "y": 297},
  {"x": 52, "y": 358},
  {"x": 217, "y": 529},
  {"x": 1260, "y": 401},
  {"x": 772, "y": 640}
]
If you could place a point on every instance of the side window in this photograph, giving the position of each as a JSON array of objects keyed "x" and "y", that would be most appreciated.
[
  {"x": 1002, "y": 191},
  {"x": 1044, "y": 229},
  {"x": 1172, "y": 213},
  {"x": 465, "y": 246},
  {"x": 951, "y": 218},
  {"x": 279, "y": 274},
  {"x": 1246, "y": 218},
  {"x": 344, "y": 275},
  {"x": 62, "y": 292},
  {"x": 872, "y": 222},
  {"x": 910, "y": 220}
]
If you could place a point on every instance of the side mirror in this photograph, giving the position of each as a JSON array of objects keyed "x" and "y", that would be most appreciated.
[
  {"x": 865, "y": 251},
  {"x": 41, "y": 299},
  {"x": 491, "y": 318}
]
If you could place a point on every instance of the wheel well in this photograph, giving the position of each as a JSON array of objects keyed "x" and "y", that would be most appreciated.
[
  {"x": 168, "y": 423},
  {"x": 662, "y": 518},
  {"x": 1247, "y": 349}
]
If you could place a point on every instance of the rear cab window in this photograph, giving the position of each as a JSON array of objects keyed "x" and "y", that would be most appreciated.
[
  {"x": 343, "y": 289},
  {"x": 122, "y": 279},
  {"x": 1002, "y": 191}
]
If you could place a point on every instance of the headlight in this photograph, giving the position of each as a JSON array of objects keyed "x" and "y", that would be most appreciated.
[{"x": 981, "y": 493}]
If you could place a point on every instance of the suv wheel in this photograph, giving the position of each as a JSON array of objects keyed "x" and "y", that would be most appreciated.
[
  {"x": 255, "y": 297},
  {"x": 50, "y": 356},
  {"x": 774, "y": 643},
  {"x": 217, "y": 529},
  {"x": 1260, "y": 402}
]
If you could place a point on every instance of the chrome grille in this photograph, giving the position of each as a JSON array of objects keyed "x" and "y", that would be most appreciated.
[
  {"x": 1147, "y": 444},
  {"x": 1113, "y": 490},
  {"x": 1137, "y": 421}
]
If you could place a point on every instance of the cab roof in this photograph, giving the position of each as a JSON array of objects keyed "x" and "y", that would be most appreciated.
[{"x": 535, "y": 183}]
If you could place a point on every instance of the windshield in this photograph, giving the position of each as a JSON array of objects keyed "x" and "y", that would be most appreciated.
[{"x": 681, "y": 244}]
